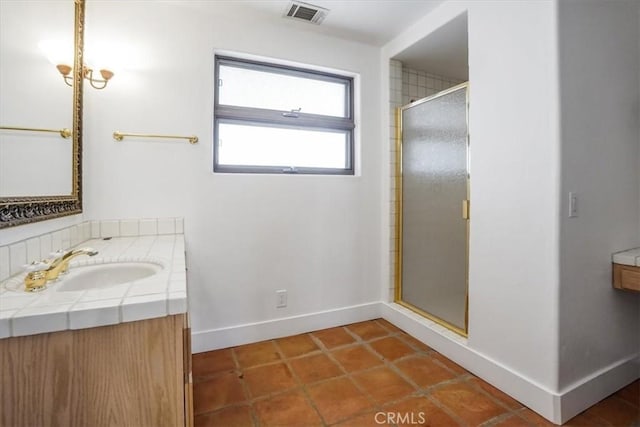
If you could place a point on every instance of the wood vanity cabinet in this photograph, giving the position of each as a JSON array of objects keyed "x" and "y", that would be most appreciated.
[
  {"x": 134, "y": 373},
  {"x": 626, "y": 277}
]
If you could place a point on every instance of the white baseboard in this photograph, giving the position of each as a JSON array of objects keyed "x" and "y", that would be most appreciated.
[
  {"x": 529, "y": 393},
  {"x": 556, "y": 407},
  {"x": 596, "y": 387},
  {"x": 259, "y": 331}
]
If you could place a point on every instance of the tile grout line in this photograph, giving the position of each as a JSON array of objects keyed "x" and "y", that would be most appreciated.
[
  {"x": 421, "y": 391},
  {"x": 466, "y": 378},
  {"x": 239, "y": 372},
  {"x": 347, "y": 374},
  {"x": 303, "y": 385}
]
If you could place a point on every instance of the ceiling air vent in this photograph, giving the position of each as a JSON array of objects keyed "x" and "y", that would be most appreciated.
[{"x": 305, "y": 12}]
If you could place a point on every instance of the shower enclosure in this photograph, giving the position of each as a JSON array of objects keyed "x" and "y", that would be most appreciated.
[{"x": 433, "y": 208}]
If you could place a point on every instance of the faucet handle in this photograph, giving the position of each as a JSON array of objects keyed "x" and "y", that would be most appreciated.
[
  {"x": 35, "y": 266},
  {"x": 57, "y": 254}
]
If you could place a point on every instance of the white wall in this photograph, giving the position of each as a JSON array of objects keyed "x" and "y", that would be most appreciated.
[
  {"x": 600, "y": 99},
  {"x": 514, "y": 179},
  {"x": 247, "y": 235},
  {"x": 541, "y": 306}
]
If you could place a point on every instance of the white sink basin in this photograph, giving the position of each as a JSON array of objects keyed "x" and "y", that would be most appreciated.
[{"x": 104, "y": 275}]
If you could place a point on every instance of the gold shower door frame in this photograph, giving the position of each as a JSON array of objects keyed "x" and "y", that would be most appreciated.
[{"x": 399, "y": 214}]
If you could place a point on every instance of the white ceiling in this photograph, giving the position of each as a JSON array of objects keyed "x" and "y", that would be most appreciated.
[
  {"x": 368, "y": 21},
  {"x": 444, "y": 52},
  {"x": 374, "y": 22}
]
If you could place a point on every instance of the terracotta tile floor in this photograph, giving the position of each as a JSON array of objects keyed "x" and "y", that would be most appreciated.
[{"x": 357, "y": 374}]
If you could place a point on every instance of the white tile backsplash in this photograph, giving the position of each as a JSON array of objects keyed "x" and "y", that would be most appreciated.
[
  {"x": 85, "y": 231},
  {"x": 65, "y": 234},
  {"x": 13, "y": 257},
  {"x": 45, "y": 246},
  {"x": 110, "y": 228},
  {"x": 74, "y": 232},
  {"x": 166, "y": 226},
  {"x": 148, "y": 227},
  {"x": 17, "y": 257},
  {"x": 56, "y": 241},
  {"x": 95, "y": 229},
  {"x": 33, "y": 248},
  {"x": 129, "y": 228},
  {"x": 5, "y": 268}
]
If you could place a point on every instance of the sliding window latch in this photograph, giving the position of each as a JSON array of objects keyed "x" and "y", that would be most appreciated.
[
  {"x": 292, "y": 113},
  {"x": 290, "y": 169}
]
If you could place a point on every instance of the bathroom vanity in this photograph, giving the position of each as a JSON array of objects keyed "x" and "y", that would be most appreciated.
[
  {"x": 104, "y": 353},
  {"x": 626, "y": 270}
]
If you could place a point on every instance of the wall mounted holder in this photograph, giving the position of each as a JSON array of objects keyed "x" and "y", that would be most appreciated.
[
  {"x": 119, "y": 136},
  {"x": 64, "y": 132}
]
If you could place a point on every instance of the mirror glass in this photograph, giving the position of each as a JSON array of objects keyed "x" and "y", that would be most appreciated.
[
  {"x": 34, "y": 95},
  {"x": 39, "y": 167}
]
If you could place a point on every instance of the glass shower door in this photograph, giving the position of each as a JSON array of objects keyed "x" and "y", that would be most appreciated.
[{"x": 434, "y": 185}]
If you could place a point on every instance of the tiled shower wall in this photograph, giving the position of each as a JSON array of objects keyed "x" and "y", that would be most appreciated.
[
  {"x": 420, "y": 84},
  {"x": 406, "y": 85}
]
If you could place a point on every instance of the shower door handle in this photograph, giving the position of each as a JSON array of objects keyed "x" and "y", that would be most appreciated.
[{"x": 465, "y": 209}]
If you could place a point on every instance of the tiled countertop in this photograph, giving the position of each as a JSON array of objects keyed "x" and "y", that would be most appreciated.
[
  {"x": 630, "y": 257},
  {"x": 164, "y": 293}
]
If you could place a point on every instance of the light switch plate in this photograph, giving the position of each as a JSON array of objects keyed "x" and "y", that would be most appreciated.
[{"x": 573, "y": 205}]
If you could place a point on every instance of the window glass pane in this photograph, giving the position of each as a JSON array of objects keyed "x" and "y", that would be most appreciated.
[
  {"x": 244, "y": 87},
  {"x": 248, "y": 145}
]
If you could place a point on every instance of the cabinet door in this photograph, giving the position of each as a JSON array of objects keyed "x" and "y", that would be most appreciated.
[{"x": 129, "y": 374}]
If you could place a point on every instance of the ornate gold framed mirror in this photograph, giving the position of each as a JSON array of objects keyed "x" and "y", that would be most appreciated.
[{"x": 19, "y": 209}]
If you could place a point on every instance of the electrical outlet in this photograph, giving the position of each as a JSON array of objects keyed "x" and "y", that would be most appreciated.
[{"x": 281, "y": 298}]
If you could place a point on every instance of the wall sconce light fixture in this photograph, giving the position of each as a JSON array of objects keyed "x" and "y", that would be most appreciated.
[
  {"x": 87, "y": 73},
  {"x": 60, "y": 55}
]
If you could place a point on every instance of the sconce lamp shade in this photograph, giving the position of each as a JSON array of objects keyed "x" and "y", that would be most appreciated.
[
  {"x": 65, "y": 70},
  {"x": 60, "y": 54}
]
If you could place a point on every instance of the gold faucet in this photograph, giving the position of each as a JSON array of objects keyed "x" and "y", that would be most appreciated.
[
  {"x": 60, "y": 265},
  {"x": 36, "y": 279},
  {"x": 45, "y": 271}
]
